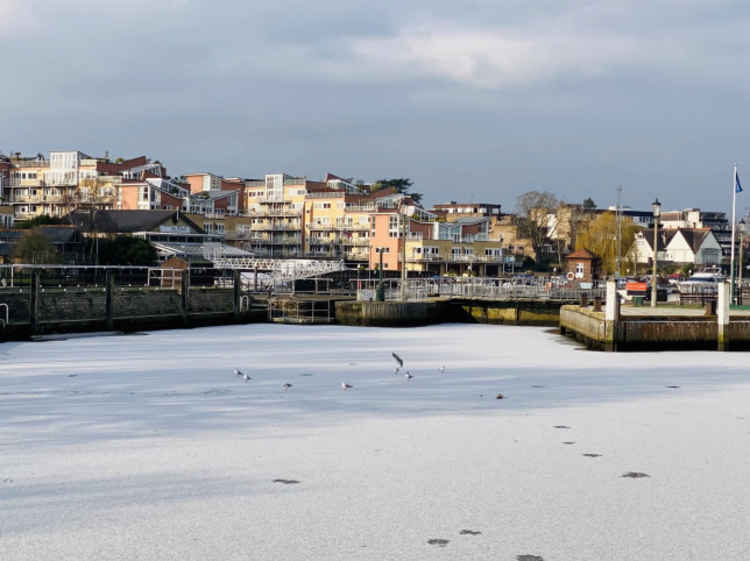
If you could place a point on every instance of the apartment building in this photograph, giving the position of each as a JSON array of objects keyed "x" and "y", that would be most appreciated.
[
  {"x": 337, "y": 219},
  {"x": 460, "y": 246},
  {"x": 6, "y": 217},
  {"x": 69, "y": 180},
  {"x": 454, "y": 210}
]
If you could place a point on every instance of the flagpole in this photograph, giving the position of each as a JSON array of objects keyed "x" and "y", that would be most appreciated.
[{"x": 734, "y": 208}]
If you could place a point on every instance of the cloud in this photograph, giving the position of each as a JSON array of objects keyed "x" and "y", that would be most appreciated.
[{"x": 493, "y": 58}]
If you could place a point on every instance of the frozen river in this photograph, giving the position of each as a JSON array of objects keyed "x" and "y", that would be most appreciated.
[{"x": 148, "y": 447}]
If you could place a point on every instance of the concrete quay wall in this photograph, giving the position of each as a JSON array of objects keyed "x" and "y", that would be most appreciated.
[
  {"x": 401, "y": 314},
  {"x": 655, "y": 333}
]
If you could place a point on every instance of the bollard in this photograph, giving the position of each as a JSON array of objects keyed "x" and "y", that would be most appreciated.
[{"x": 722, "y": 316}]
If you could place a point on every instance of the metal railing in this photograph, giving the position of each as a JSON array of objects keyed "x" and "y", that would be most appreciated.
[{"x": 486, "y": 288}]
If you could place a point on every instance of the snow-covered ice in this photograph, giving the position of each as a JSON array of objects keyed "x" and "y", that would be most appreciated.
[{"x": 150, "y": 447}]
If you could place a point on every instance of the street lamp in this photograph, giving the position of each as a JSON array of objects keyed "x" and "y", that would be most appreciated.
[
  {"x": 656, "y": 205},
  {"x": 741, "y": 227},
  {"x": 380, "y": 290}
]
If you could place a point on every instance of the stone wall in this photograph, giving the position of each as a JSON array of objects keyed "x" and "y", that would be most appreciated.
[
  {"x": 76, "y": 304},
  {"x": 19, "y": 304},
  {"x": 211, "y": 300}
]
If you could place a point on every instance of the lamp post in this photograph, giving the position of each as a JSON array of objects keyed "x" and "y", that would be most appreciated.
[
  {"x": 380, "y": 290},
  {"x": 656, "y": 205},
  {"x": 741, "y": 227}
]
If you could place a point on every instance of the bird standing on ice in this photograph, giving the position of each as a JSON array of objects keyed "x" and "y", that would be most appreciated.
[
  {"x": 398, "y": 359},
  {"x": 345, "y": 386}
]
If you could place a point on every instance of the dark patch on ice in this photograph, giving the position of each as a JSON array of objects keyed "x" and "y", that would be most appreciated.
[
  {"x": 635, "y": 474},
  {"x": 673, "y": 387},
  {"x": 529, "y": 558},
  {"x": 440, "y": 542},
  {"x": 499, "y": 396},
  {"x": 561, "y": 427},
  {"x": 306, "y": 374},
  {"x": 286, "y": 481},
  {"x": 537, "y": 386},
  {"x": 72, "y": 375},
  {"x": 129, "y": 333},
  {"x": 590, "y": 455},
  {"x": 569, "y": 442},
  {"x": 352, "y": 364},
  {"x": 470, "y": 532},
  {"x": 7, "y": 481},
  {"x": 217, "y": 391}
]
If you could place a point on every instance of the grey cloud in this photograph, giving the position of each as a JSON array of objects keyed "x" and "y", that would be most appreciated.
[{"x": 484, "y": 98}]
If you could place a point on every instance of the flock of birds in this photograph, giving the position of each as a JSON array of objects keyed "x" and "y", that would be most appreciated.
[{"x": 345, "y": 386}]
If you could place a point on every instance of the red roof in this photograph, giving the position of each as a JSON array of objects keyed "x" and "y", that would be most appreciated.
[{"x": 581, "y": 254}]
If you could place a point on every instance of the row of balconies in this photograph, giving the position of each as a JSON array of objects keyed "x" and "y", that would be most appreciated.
[
  {"x": 339, "y": 227},
  {"x": 453, "y": 259}
]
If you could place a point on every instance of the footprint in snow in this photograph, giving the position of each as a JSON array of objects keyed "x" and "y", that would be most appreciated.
[
  {"x": 286, "y": 481},
  {"x": 440, "y": 542},
  {"x": 635, "y": 474}
]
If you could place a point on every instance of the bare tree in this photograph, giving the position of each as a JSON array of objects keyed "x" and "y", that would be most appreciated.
[{"x": 532, "y": 220}]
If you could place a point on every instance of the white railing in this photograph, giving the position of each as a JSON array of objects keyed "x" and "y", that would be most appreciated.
[{"x": 488, "y": 288}]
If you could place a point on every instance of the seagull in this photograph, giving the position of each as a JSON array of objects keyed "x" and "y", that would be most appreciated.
[
  {"x": 246, "y": 377},
  {"x": 345, "y": 386},
  {"x": 286, "y": 386},
  {"x": 398, "y": 359},
  {"x": 408, "y": 375},
  {"x": 396, "y": 370},
  {"x": 442, "y": 369},
  {"x": 238, "y": 372}
]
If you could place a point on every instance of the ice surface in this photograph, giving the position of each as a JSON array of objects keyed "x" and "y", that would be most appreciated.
[{"x": 155, "y": 449}]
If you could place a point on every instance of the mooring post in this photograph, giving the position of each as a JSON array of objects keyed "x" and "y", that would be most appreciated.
[
  {"x": 185, "y": 281},
  {"x": 722, "y": 316},
  {"x": 611, "y": 317},
  {"x": 34, "y": 304},
  {"x": 237, "y": 286},
  {"x": 109, "y": 283}
]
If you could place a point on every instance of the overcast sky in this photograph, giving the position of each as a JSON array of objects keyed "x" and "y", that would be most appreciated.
[{"x": 473, "y": 100}]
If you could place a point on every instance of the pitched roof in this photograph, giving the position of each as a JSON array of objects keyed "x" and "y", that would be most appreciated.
[
  {"x": 695, "y": 237},
  {"x": 126, "y": 221},
  {"x": 581, "y": 254},
  {"x": 665, "y": 236}
]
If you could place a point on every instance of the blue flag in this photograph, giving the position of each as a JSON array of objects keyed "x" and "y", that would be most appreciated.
[{"x": 737, "y": 184}]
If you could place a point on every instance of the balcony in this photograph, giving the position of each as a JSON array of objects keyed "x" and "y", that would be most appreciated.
[
  {"x": 274, "y": 227},
  {"x": 274, "y": 212}
]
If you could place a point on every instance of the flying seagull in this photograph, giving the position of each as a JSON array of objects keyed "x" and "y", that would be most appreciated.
[
  {"x": 238, "y": 372},
  {"x": 246, "y": 377},
  {"x": 408, "y": 375},
  {"x": 345, "y": 386},
  {"x": 286, "y": 386},
  {"x": 398, "y": 359}
]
